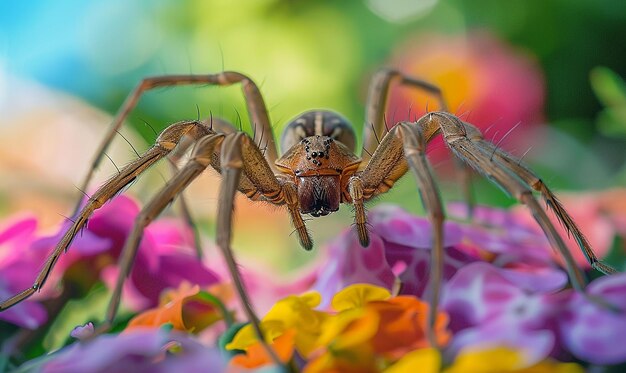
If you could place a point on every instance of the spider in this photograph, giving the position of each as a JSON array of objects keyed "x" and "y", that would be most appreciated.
[{"x": 318, "y": 171}]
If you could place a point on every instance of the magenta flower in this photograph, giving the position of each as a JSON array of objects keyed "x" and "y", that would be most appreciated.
[
  {"x": 488, "y": 307},
  {"x": 480, "y": 75},
  {"x": 400, "y": 249},
  {"x": 593, "y": 332},
  {"x": 503, "y": 285},
  {"x": 18, "y": 268},
  {"x": 144, "y": 350},
  {"x": 164, "y": 260}
]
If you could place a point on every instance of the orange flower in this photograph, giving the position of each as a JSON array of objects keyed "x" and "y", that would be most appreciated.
[
  {"x": 256, "y": 355},
  {"x": 186, "y": 308},
  {"x": 372, "y": 329},
  {"x": 403, "y": 325}
]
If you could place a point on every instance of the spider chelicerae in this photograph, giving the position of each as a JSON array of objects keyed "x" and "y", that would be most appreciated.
[{"x": 318, "y": 171}]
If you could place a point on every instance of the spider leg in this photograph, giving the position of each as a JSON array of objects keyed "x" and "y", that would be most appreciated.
[
  {"x": 403, "y": 148},
  {"x": 375, "y": 127},
  {"x": 379, "y": 88},
  {"x": 193, "y": 168},
  {"x": 219, "y": 126},
  {"x": 535, "y": 182},
  {"x": 166, "y": 141},
  {"x": 232, "y": 163},
  {"x": 254, "y": 101},
  {"x": 455, "y": 135}
]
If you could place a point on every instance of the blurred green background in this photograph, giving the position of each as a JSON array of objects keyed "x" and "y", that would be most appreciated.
[{"x": 498, "y": 62}]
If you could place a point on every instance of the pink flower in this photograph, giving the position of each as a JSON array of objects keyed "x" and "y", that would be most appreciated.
[
  {"x": 400, "y": 250},
  {"x": 591, "y": 331},
  {"x": 164, "y": 259},
  {"x": 18, "y": 268},
  {"x": 478, "y": 75},
  {"x": 601, "y": 216},
  {"x": 143, "y": 350}
]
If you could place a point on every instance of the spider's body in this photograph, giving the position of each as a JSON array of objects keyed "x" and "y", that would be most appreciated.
[
  {"x": 319, "y": 170},
  {"x": 320, "y": 160}
]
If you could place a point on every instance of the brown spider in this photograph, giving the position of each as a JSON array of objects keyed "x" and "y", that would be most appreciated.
[{"x": 318, "y": 171}]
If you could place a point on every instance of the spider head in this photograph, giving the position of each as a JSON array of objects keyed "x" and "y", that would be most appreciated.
[{"x": 319, "y": 157}]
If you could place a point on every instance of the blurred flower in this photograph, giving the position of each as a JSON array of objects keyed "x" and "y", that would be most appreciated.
[
  {"x": 292, "y": 312},
  {"x": 164, "y": 258},
  {"x": 186, "y": 308},
  {"x": 147, "y": 350},
  {"x": 487, "y": 309},
  {"x": 83, "y": 332},
  {"x": 478, "y": 75},
  {"x": 18, "y": 268},
  {"x": 494, "y": 360},
  {"x": 601, "y": 216},
  {"x": 367, "y": 326},
  {"x": 400, "y": 251},
  {"x": 593, "y": 324}
]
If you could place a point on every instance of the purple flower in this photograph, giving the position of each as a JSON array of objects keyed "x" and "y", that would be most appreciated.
[
  {"x": 83, "y": 331},
  {"x": 488, "y": 306},
  {"x": 142, "y": 350},
  {"x": 164, "y": 259},
  {"x": 400, "y": 250},
  {"x": 18, "y": 268},
  {"x": 593, "y": 325}
]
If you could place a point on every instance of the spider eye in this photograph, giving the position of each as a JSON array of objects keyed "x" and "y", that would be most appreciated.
[{"x": 318, "y": 123}]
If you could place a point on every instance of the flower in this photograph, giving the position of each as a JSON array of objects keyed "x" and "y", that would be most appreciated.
[
  {"x": 493, "y": 360},
  {"x": 164, "y": 258},
  {"x": 365, "y": 328},
  {"x": 18, "y": 269},
  {"x": 478, "y": 74},
  {"x": 593, "y": 324},
  {"x": 142, "y": 350},
  {"x": 399, "y": 252},
  {"x": 292, "y": 312},
  {"x": 487, "y": 309},
  {"x": 83, "y": 332},
  {"x": 186, "y": 309}
]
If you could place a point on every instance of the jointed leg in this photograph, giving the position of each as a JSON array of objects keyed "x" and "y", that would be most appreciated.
[
  {"x": 415, "y": 151},
  {"x": 374, "y": 128},
  {"x": 164, "y": 144},
  {"x": 402, "y": 148},
  {"x": 529, "y": 177},
  {"x": 256, "y": 109},
  {"x": 217, "y": 125},
  {"x": 194, "y": 167},
  {"x": 455, "y": 134}
]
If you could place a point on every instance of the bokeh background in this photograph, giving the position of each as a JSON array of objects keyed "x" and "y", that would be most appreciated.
[{"x": 541, "y": 78}]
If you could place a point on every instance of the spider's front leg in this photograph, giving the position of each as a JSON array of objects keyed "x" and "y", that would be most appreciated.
[
  {"x": 376, "y": 125},
  {"x": 167, "y": 140},
  {"x": 244, "y": 169},
  {"x": 402, "y": 148},
  {"x": 467, "y": 143}
]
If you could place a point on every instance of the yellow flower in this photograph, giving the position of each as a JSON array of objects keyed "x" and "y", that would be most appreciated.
[
  {"x": 427, "y": 359},
  {"x": 502, "y": 359},
  {"x": 494, "y": 360},
  {"x": 291, "y": 312},
  {"x": 357, "y": 295}
]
